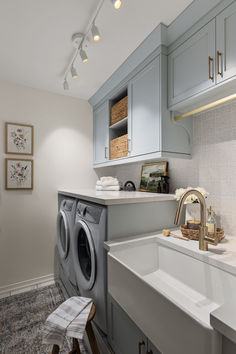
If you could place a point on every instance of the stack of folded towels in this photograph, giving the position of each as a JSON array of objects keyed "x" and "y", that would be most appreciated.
[{"x": 108, "y": 184}]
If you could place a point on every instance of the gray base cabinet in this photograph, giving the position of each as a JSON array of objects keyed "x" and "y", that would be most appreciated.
[{"x": 123, "y": 334}]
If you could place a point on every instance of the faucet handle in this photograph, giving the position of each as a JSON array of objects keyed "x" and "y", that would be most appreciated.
[{"x": 212, "y": 240}]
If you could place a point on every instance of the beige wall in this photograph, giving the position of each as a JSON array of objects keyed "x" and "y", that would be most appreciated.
[{"x": 62, "y": 158}]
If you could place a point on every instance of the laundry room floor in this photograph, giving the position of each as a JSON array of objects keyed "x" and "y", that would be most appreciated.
[{"x": 22, "y": 317}]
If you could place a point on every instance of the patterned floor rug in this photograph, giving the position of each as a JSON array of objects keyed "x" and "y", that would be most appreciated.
[{"x": 22, "y": 317}]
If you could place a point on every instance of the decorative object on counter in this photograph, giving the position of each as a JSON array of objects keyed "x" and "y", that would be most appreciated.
[
  {"x": 151, "y": 177},
  {"x": 211, "y": 221},
  {"x": 129, "y": 186},
  {"x": 108, "y": 184},
  {"x": 168, "y": 233},
  {"x": 18, "y": 174},
  {"x": 193, "y": 224},
  {"x": 194, "y": 234},
  {"x": 19, "y": 139},
  {"x": 192, "y": 203}
]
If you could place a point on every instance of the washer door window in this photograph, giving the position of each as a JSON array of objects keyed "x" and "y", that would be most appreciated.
[
  {"x": 85, "y": 256},
  {"x": 63, "y": 234}
]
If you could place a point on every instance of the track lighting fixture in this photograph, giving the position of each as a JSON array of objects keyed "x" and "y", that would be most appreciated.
[
  {"x": 83, "y": 56},
  {"x": 65, "y": 85},
  {"x": 95, "y": 33},
  {"x": 117, "y": 4},
  {"x": 73, "y": 72}
]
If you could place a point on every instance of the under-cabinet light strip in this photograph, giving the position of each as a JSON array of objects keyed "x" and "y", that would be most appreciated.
[{"x": 206, "y": 107}]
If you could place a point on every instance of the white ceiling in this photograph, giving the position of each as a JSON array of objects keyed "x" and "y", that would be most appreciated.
[{"x": 35, "y": 39}]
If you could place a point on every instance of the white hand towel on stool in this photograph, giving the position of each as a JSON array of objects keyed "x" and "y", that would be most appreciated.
[{"x": 69, "y": 319}]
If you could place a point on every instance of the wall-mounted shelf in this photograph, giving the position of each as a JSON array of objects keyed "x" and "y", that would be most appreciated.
[{"x": 119, "y": 125}]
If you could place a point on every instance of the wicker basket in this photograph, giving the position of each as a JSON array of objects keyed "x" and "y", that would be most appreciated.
[
  {"x": 119, "y": 147},
  {"x": 194, "y": 234},
  {"x": 119, "y": 110}
]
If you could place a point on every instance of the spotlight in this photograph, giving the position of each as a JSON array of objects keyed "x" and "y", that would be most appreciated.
[
  {"x": 73, "y": 72},
  {"x": 83, "y": 56},
  {"x": 65, "y": 85},
  {"x": 117, "y": 4},
  {"x": 95, "y": 33}
]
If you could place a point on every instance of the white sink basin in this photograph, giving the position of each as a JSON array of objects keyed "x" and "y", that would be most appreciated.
[{"x": 168, "y": 294}]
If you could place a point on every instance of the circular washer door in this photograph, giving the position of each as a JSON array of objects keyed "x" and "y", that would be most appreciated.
[
  {"x": 63, "y": 234},
  {"x": 85, "y": 260}
]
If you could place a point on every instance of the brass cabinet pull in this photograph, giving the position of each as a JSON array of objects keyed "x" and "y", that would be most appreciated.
[
  {"x": 129, "y": 146},
  {"x": 105, "y": 152},
  {"x": 140, "y": 344},
  {"x": 219, "y": 63},
  {"x": 210, "y": 61}
]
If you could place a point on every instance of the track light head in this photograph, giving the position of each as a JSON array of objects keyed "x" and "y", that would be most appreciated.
[
  {"x": 83, "y": 56},
  {"x": 95, "y": 33},
  {"x": 73, "y": 72},
  {"x": 117, "y": 4},
  {"x": 65, "y": 85}
]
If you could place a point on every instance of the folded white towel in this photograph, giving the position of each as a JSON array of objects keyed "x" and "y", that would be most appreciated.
[
  {"x": 69, "y": 319},
  {"x": 109, "y": 181},
  {"x": 107, "y": 188}
]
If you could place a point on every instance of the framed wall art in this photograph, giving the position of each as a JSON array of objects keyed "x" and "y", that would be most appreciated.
[
  {"x": 151, "y": 174},
  {"x": 19, "y": 174},
  {"x": 19, "y": 139}
]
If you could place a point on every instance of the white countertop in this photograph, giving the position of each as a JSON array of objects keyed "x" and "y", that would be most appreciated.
[{"x": 116, "y": 197}]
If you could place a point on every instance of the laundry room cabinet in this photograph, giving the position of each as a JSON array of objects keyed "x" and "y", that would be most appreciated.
[
  {"x": 204, "y": 61},
  {"x": 100, "y": 133},
  {"x": 144, "y": 93},
  {"x": 225, "y": 43},
  {"x": 124, "y": 336}
]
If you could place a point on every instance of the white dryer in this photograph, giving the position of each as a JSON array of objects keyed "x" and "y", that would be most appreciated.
[
  {"x": 89, "y": 257},
  {"x": 65, "y": 225}
]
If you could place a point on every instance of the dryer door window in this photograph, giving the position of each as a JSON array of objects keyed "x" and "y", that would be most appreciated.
[
  {"x": 86, "y": 259},
  {"x": 62, "y": 234}
]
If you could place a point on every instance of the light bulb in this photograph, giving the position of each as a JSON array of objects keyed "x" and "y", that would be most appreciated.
[
  {"x": 95, "y": 33},
  {"x": 117, "y": 4},
  {"x": 73, "y": 72},
  {"x": 83, "y": 56}
]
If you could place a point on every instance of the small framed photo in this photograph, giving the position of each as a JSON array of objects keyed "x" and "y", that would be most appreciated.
[
  {"x": 19, "y": 139},
  {"x": 19, "y": 174},
  {"x": 151, "y": 174}
]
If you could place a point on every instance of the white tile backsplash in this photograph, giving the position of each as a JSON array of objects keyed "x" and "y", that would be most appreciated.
[{"x": 213, "y": 165}]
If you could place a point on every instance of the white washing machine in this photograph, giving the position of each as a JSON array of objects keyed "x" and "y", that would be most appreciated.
[
  {"x": 65, "y": 225},
  {"x": 89, "y": 257}
]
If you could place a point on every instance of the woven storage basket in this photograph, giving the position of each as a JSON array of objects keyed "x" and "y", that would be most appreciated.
[
  {"x": 194, "y": 234},
  {"x": 119, "y": 147},
  {"x": 119, "y": 110}
]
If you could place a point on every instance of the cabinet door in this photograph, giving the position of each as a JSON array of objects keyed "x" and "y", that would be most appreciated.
[
  {"x": 144, "y": 115},
  {"x": 101, "y": 133},
  {"x": 124, "y": 336},
  {"x": 225, "y": 43},
  {"x": 152, "y": 349},
  {"x": 191, "y": 66}
]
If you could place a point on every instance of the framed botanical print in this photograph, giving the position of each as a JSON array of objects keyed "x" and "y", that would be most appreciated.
[
  {"x": 19, "y": 139},
  {"x": 19, "y": 174}
]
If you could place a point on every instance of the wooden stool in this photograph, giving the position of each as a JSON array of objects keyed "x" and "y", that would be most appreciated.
[{"x": 90, "y": 334}]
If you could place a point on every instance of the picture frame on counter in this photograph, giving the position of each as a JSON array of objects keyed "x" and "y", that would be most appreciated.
[
  {"x": 151, "y": 174},
  {"x": 19, "y": 174},
  {"x": 19, "y": 139}
]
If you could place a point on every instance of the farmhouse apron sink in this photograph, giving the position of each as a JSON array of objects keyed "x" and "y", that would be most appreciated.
[{"x": 168, "y": 293}]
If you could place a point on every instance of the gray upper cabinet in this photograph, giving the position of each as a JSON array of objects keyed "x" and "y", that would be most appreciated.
[
  {"x": 225, "y": 43},
  {"x": 144, "y": 102},
  {"x": 191, "y": 66},
  {"x": 101, "y": 133}
]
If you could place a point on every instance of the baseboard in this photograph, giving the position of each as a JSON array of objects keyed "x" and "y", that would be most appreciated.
[{"x": 26, "y": 285}]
